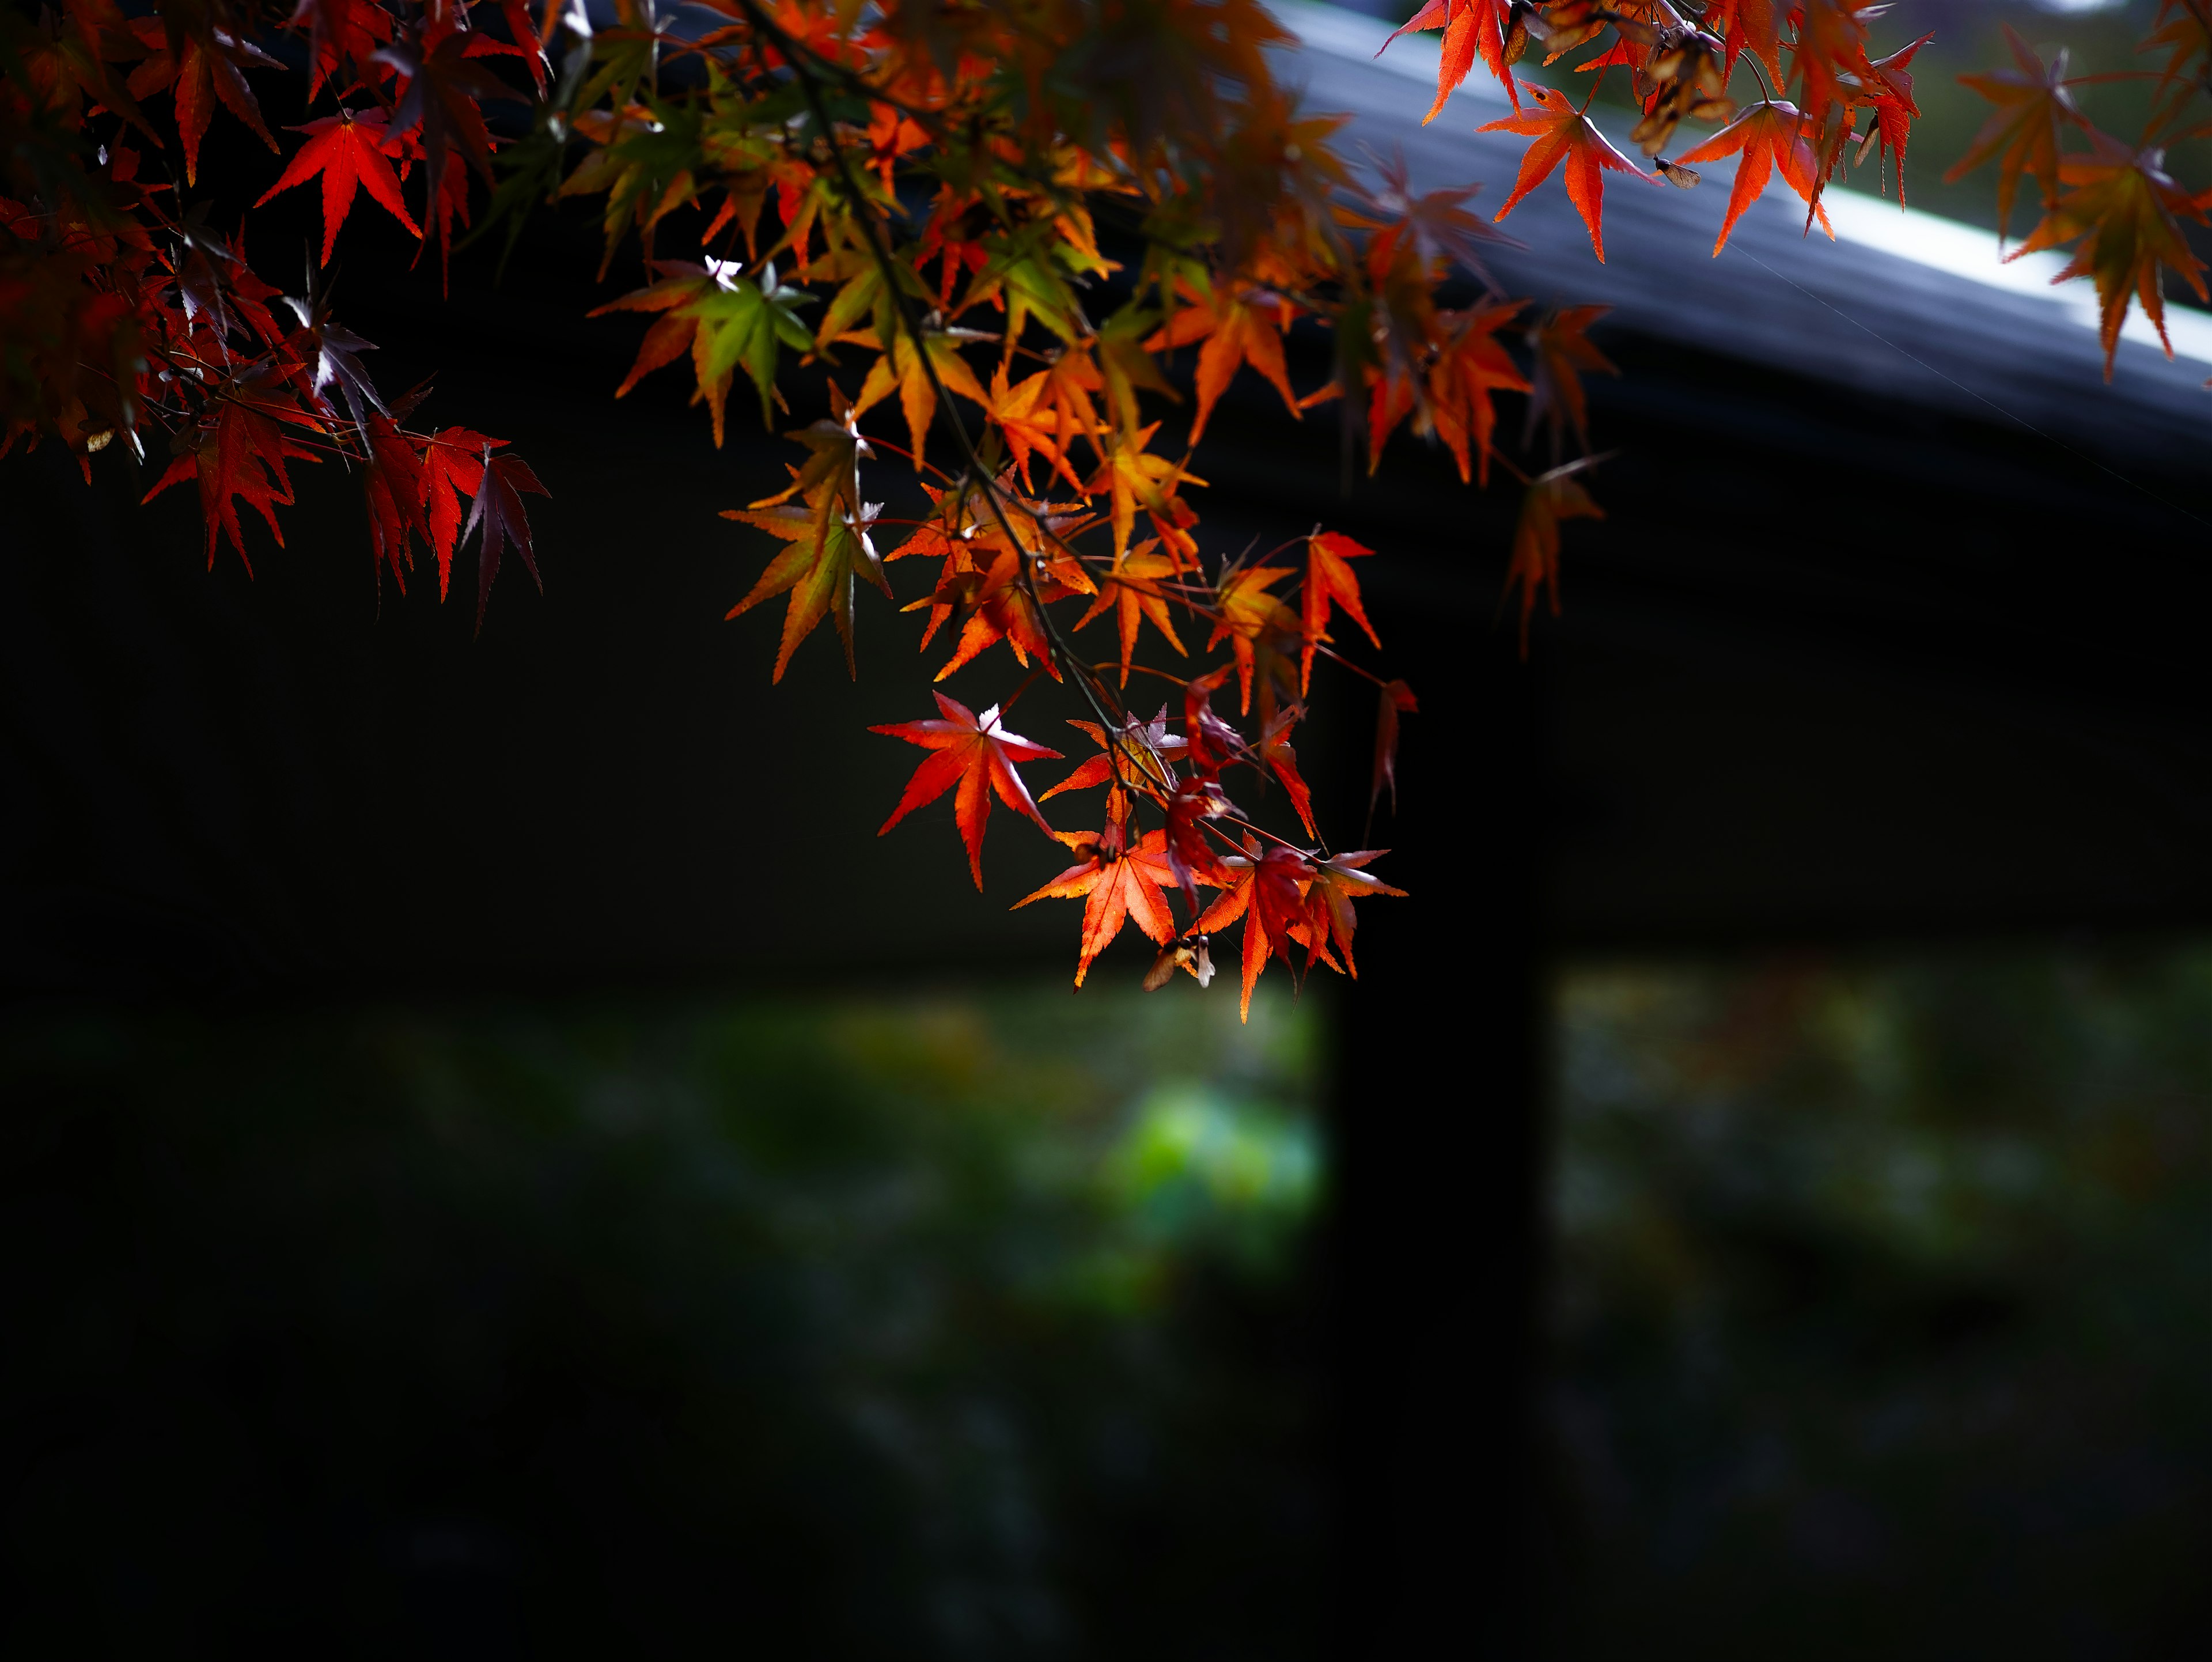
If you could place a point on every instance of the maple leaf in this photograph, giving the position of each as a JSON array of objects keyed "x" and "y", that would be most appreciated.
[
  {"x": 1751, "y": 26},
  {"x": 1246, "y": 329},
  {"x": 2185, "y": 29},
  {"x": 1113, "y": 761},
  {"x": 339, "y": 30},
  {"x": 2130, "y": 210},
  {"x": 1266, "y": 890},
  {"x": 1337, "y": 882},
  {"x": 1191, "y": 856},
  {"x": 977, "y": 755},
  {"x": 1282, "y": 761},
  {"x": 1550, "y": 497},
  {"x": 1435, "y": 223},
  {"x": 1473, "y": 29},
  {"x": 1015, "y": 411},
  {"x": 1894, "y": 111},
  {"x": 238, "y": 454},
  {"x": 905, "y": 370},
  {"x": 1563, "y": 132},
  {"x": 392, "y": 484},
  {"x": 1562, "y": 352},
  {"x": 1118, "y": 881},
  {"x": 1397, "y": 698},
  {"x": 1245, "y": 614},
  {"x": 1768, "y": 133},
  {"x": 1133, "y": 591},
  {"x": 2034, "y": 105},
  {"x": 443, "y": 90},
  {"x": 1329, "y": 582},
  {"x": 498, "y": 508},
  {"x": 351, "y": 152},
  {"x": 1472, "y": 365},
  {"x": 452, "y": 467},
  {"x": 1210, "y": 742},
  {"x": 998, "y": 609},
  {"x": 337, "y": 360},
  {"x": 1134, "y": 477},
  {"x": 829, "y": 549},
  {"x": 202, "y": 70},
  {"x": 727, "y": 320}
]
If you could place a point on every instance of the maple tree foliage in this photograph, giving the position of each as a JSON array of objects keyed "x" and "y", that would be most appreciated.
[
  {"x": 971, "y": 227},
  {"x": 2110, "y": 198}
]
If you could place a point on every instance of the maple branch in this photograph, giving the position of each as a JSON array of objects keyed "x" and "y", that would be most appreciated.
[{"x": 978, "y": 475}]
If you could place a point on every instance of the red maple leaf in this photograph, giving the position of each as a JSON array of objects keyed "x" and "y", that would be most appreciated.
[
  {"x": 1894, "y": 110},
  {"x": 452, "y": 467},
  {"x": 1397, "y": 698},
  {"x": 240, "y": 452},
  {"x": 979, "y": 756},
  {"x": 1283, "y": 761},
  {"x": 1268, "y": 892},
  {"x": 1473, "y": 29},
  {"x": 1329, "y": 580},
  {"x": 351, "y": 152},
  {"x": 1562, "y": 131},
  {"x": 391, "y": 483},
  {"x": 1338, "y": 882},
  {"x": 202, "y": 68},
  {"x": 498, "y": 508}
]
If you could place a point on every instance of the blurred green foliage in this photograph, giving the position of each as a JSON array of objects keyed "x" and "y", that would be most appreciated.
[
  {"x": 1883, "y": 1306},
  {"x": 972, "y": 1326}
]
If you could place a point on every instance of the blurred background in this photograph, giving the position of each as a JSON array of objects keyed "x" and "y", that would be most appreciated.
[
  {"x": 974, "y": 1325},
  {"x": 994, "y": 1323}
]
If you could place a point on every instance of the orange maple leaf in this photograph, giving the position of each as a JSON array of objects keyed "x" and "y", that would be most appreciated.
[
  {"x": 1245, "y": 329},
  {"x": 1768, "y": 132},
  {"x": 1133, "y": 591},
  {"x": 904, "y": 369},
  {"x": 998, "y": 608},
  {"x": 1563, "y": 131},
  {"x": 977, "y": 755},
  {"x": 1471, "y": 366},
  {"x": 1244, "y": 611},
  {"x": 1118, "y": 882}
]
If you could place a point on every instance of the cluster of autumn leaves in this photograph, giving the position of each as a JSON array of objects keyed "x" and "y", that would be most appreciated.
[
  {"x": 925, "y": 203},
  {"x": 127, "y": 314}
]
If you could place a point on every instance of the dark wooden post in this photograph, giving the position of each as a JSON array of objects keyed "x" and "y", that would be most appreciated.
[{"x": 1438, "y": 1215}]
